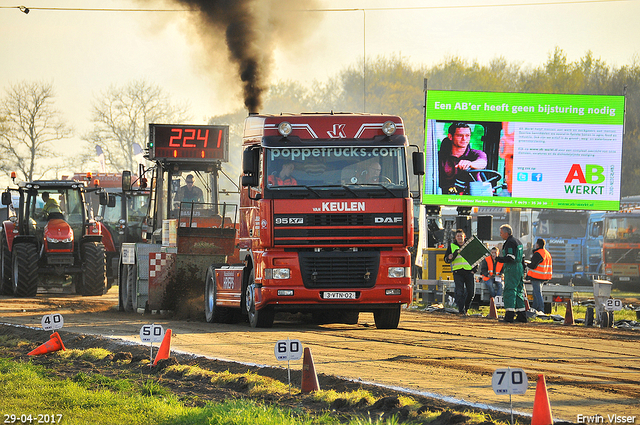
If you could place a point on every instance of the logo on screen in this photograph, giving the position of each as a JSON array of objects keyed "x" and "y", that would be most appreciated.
[
  {"x": 585, "y": 181},
  {"x": 536, "y": 177},
  {"x": 523, "y": 177}
]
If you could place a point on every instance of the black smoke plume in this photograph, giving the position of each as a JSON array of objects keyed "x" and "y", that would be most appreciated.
[{"x": 251, "y": 29}]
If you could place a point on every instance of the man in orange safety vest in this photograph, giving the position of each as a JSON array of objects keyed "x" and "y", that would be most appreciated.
[
  {"x": 491, "y": 272},
  {"x": 540, "y": 271}
]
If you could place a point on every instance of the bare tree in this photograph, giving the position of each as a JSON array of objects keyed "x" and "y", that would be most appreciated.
[
  {"x": 122, "y": 115},
  {"x": 29, "y": 125}
]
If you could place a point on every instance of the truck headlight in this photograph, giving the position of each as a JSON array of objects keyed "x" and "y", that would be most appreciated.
[
  {"x": 276, "y": 273},
  {"x": 399, "y": 272}
]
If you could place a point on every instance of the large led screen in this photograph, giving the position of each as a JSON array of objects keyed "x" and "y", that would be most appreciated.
[{"x": 523, "y": 150}]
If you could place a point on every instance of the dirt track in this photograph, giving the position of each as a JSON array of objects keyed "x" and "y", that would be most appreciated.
[{"x": 589, "y": 371}]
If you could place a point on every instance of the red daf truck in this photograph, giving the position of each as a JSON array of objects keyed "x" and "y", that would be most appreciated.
[{"x": 326, "y": 220}]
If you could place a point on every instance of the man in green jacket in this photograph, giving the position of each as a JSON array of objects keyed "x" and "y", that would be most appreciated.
[{"x": 513, "y": 259}]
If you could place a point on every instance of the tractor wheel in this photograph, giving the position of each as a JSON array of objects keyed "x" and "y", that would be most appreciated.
[
  {"x": 25, "y": 270},
  {"x": 5, "y": 280},
  {"x": 131, "y": 303},
  {"x": 94, "y": 271},
  {"x": 257, "y": 318},
  {"x": 387, "y": 318}
]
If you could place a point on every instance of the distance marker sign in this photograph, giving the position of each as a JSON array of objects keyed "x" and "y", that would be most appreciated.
[
  {"x": 151, "y": 333},
  {"x": 509, "y": 381},
  {"x": 52, "y": 322},
  {"x": 288, "y": 349}
]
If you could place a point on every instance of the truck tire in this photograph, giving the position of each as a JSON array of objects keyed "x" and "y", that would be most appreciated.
[
  {"x": 131, "y": 302},
  {"x": 213, "y": 313},
  {"x": 387, "y": 318},
  {"x": 94, "y": 270},
  {"x": 25, "y": 270},
  {"x": 257, "y": 318},
  {"x": 5, "y": 281}
]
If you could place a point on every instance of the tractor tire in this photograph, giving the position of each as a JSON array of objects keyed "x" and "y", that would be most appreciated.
[
  {"x": 257, "y": 318},
  {"x": 5, "y": 279},
  {"x": 25, "y": 270},
  {"x": 387, "y": 318},
  {"x": 94, "y": 269},
  {"x": 131, "y": 303},
  {"x": 212, "y": 312}
]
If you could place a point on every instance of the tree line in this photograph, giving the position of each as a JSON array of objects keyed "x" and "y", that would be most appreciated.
[{"x": 29, "y": 122}]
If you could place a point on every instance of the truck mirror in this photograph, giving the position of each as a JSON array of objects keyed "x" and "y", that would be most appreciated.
[
  {"x": 418, "y": 163},
  {"x": 251, "y": 180},
  {"x": 111, "y": 201},
  {"x": 104, "y": 198},
  {"x": 126, "y": 181},
  {"x": 250, "y": 161},
  {"x": 6, "y": 198}
]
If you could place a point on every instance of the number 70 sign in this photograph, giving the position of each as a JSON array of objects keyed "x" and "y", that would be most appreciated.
[{"x": 509, "y": 381}]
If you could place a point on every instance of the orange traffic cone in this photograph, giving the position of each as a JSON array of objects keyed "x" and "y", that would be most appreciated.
[
  {"x": 309, "y": 377},
  {"x": 568, "y": 317},
  {"x": 165, "y": 347},
  {"x": 541, "y": 406},
  {"x": 54, "y": 344},
  {"x": 493, "y": 313}
]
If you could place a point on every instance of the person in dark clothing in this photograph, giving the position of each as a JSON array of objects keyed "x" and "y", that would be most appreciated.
[
  {"x": 540, "y": 271},
  {"x": 513, "y": 259},
  {"x": 189, "y": 193},
  {"x": 456, "y": 157},
  {"x": 462, "y": 273}
]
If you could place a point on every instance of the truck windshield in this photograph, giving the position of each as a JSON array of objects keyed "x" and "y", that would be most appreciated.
[
  {"x": 565, "y": 227},
  {"x": 622, "y": 229},
  {"x": 330, "y": 166}
]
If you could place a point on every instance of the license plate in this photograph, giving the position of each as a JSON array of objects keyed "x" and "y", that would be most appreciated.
[
  {"x": 339, "y": 295},
  {"x": 557, "y": 275},
  {"x": 624, "y": 278}
]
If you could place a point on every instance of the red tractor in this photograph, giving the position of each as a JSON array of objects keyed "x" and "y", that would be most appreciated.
[{"x": 51, "y": 241}]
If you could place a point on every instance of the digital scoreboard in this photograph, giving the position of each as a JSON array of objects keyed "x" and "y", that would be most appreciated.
[{"x": 189, "y": 143}]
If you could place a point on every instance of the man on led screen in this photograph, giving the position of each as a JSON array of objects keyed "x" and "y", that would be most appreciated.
[{"x": 456, "y": 157}]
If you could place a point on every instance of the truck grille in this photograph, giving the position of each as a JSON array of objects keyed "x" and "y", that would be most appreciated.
[
  {"x": 339, "y": 269},
  {"x": 622, "y": 255},
  {"x": 382, "y": 229},
  {"x": 564, "y": 257}
]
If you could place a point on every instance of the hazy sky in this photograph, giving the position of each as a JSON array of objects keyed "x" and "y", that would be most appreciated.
[{"x": 84, "y": 52}]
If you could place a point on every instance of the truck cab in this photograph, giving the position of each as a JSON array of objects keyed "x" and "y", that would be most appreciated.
[
  {"x": 326, "y": 217},
  {"x": 574, "y": 240}
]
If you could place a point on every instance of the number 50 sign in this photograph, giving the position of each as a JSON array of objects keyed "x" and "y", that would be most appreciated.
[{"x": 509, "y": 381}]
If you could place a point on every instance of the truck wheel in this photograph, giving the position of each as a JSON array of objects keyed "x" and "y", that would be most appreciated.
[
  {"x": 122, "y": 286},
  {"x": 94, "y": 270},
  {"x": 5, "y": 283},
  {"x": 25, "y": 270},
  {"x": 387, "y": 318},
  {"x": 131, "y": 303},
  {"x": 257, "y": 318},
  {"x": 212, "y": 312}
]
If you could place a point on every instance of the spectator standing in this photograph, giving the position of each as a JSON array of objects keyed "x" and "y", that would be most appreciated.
[
  {"x": 513, "y": 259},
  {"x": 540, "y": 271},
  {"x": 462, "y": 273},
  {"x": 491, "y": 272}
]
